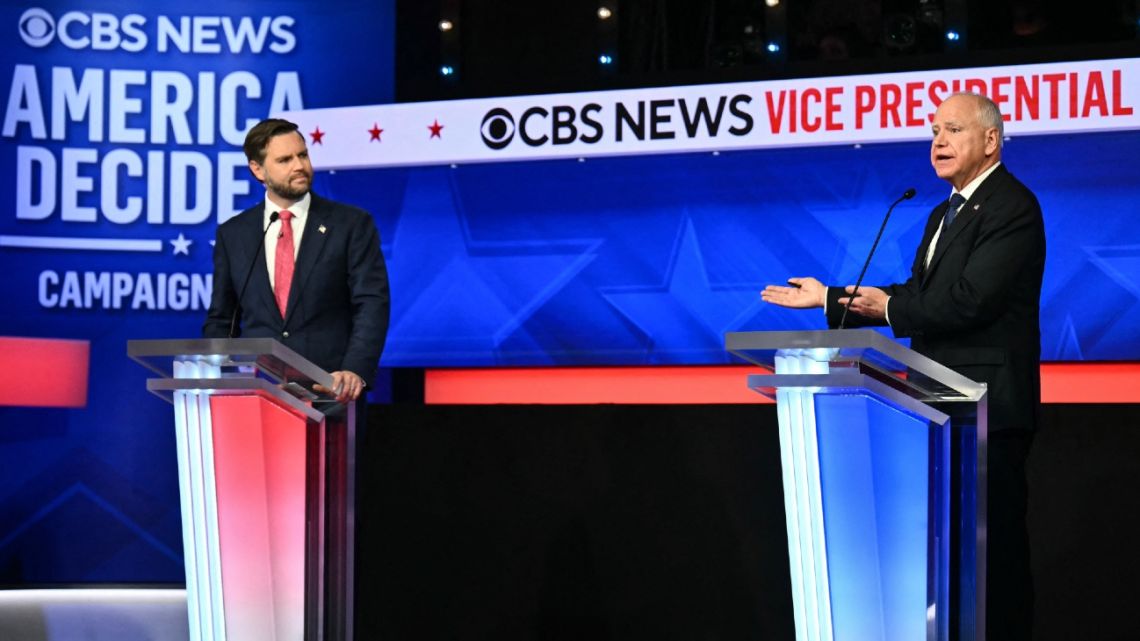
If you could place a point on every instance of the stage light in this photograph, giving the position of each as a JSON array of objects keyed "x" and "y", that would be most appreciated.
[
  {"x": 604, "y": 13},
  {"x": 953, "y": 36},
  {"x": 605, "y": 59},
  {"x": 772, "y": 3},
  {"x": 446, "y": 70},
  {"x": 773, "y": 47},
  {"x": 446, "y": 25}
]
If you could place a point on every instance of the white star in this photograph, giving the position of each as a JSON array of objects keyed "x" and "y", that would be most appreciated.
[{"x": 181, "y": 245}]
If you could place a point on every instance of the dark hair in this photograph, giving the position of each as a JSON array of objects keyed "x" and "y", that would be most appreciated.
[{"x": 258, "y": 138}]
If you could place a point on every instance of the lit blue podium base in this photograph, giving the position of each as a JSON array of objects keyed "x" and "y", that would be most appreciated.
[
  {"x": 110, "y": 614},
  {"x": 882, "y": 454}
]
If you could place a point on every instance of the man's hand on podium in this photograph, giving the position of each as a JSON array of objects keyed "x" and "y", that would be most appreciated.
[
  {"x": 804, "y": 293},
  {"x": 346, "y": 385}
]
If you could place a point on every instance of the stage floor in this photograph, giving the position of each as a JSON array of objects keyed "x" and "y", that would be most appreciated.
[{"x": 103, "y": 614}]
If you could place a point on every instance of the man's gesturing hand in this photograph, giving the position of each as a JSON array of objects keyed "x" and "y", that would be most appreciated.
[{"x": 804, "y": 293}]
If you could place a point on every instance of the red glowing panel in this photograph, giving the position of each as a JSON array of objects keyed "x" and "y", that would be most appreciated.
[
  {"x": 43, "y": 372},
  {"x": 1060, "y": 383},
  {"x": 259, "y": 467}
]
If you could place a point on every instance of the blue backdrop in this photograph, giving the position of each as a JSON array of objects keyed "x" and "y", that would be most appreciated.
[{"x": 651, "y": 259}]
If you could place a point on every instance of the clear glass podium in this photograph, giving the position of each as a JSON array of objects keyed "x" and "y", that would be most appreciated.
[
  {"x": 266, "y": 468},
  {"x": 884, "y": 468}
]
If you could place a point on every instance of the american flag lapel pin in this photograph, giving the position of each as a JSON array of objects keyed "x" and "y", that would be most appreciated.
[{"x": 322, "y": 229}]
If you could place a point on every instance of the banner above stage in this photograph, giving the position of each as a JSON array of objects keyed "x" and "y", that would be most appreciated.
[{"x": 1036, "y": 99}]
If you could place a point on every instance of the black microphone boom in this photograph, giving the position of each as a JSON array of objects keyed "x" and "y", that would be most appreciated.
[
  {"x": 249, "y": 272},
  {"x": 907, "y": 195}
]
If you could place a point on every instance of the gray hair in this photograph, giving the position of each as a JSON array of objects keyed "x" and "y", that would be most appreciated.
[{"x": 988, "y": 113}]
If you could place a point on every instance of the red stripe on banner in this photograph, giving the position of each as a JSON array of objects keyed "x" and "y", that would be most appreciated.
[
  {"x": 1060, "y": 383},
  {"x": 1090, "y": 382},
  {"x": 43, "y": 372},
  {"x": 587, "y": 385}
]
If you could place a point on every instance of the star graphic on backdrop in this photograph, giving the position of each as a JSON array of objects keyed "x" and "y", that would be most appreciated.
[
  {"x": 435, "y": 128},
  {"x": 1069, "y": 342},
  {"x": 1120, "y": 263},
  {"x": 181, "y": 245},
  {"x": 852, "y": 214},
  {"x": 375, "y": 131},
  {"x": 317, "y": 136},
  {"x": 1116, "y": 280},
  {"x": 508, "y": 281},
  {"x": 686, "y": 304}
]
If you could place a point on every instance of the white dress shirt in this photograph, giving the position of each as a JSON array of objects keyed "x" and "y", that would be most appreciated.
[{"x": 300, "y": 211}]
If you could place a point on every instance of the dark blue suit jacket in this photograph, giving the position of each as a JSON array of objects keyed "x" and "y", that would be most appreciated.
[{"x": 337, "y": 316}]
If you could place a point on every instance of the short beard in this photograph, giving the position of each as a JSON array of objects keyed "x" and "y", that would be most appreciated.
[{"x": 288, "y": 192}]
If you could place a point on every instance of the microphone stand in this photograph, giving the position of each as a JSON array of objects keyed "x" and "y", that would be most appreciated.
[
  {"x": 855, "y": 292},
  {"x": 249, "y": 272}
]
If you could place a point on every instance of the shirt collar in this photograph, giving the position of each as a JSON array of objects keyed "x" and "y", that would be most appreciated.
[
  {"x": 968, "y": 191},
  {"x": 299, "y": 209}
]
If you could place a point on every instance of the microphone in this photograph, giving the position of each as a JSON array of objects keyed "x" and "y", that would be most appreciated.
[
  {"x": 253, "y": 263},
  {"x": 907, "y": 195}
]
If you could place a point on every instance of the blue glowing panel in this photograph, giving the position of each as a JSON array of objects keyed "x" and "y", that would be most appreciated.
[{"x": 875, "y": 484}]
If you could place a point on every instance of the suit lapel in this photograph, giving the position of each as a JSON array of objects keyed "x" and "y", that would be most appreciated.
[
  {"x": 971, "y": 210},
  {"x": 920, "y": 269},
  {"x": 259, "y": 287},
  {"x": 312, "y": 244}
]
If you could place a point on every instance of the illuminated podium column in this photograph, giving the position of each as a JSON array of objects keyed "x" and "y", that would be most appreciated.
[
  {"x": 266, "y": 482},
  {"x": 883, "y": 454}
]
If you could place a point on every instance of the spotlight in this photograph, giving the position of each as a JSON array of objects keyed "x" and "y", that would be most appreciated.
[
  {"x": 773, "y": 47},
  {"x": 772, "y": 3},
  {"x": 605, "y": 59},
  {"x": 953, "y": 36},
  {"x": 446, "y": 70},
  {"x": 446, "y": 25},
  {"x": 604, "y": 13}
]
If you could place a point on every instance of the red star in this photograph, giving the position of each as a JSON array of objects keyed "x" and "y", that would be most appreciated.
[
  {"x": 435, "y": 128},
  {"x": 375, "y": 131},
  {"x": 317, "y": 135}
]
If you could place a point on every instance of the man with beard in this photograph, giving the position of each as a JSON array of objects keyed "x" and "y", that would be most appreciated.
[{"x": 322, "y": 287}]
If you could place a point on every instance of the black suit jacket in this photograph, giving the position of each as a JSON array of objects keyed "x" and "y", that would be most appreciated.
[
  {"x": 337, "y": 314},
  {"x": 976, "y": 307}
]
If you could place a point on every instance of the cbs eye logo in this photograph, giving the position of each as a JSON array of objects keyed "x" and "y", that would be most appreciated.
[
  {"x": 498, "y": 128},
  {"x": 36, "y": 27}
]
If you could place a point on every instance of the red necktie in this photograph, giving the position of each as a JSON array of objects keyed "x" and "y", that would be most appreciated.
[{"x": 283, "y": 263}]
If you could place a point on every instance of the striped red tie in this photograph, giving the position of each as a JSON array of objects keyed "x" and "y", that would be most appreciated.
[{"x": 283, "y": 262}]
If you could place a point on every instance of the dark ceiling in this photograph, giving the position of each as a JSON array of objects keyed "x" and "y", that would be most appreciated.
[{"x": 511, "y": 47}]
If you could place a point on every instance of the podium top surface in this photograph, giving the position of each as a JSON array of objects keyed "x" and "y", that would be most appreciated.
[
  {"x": 256, "y": 357},
  {"x": 865, "y": 350}
]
